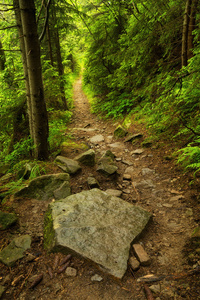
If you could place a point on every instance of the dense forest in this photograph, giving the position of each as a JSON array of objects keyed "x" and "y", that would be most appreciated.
[{"x": 140, "y": 62}]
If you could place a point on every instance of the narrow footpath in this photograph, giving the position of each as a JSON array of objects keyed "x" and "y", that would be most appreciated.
[
  {"x": 154, "y": 185},
  {"x": 144, "y": 178}
]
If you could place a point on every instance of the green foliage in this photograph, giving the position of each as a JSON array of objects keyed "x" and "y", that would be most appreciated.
[
  {"x": 190, "y": 158},
  {"x": 57, "y": 128},
  {"x": 22, "y": 149}
]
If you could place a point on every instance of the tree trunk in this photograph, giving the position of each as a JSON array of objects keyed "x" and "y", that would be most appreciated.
[
  {"x": 37, "y": 102},
  {"x": 186, "y": 21},
  {"x": 2, "y": 58},
  {"x": 191, "y": 27},
  {"x": 59, "y": 57},
  {"x": 49, "y": 45},
  {"x": 24, "y": 62}
]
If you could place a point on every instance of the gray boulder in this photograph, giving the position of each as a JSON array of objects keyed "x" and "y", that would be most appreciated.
[
  {"x": 97, "y": 226},
  {"x": 15, "y": 250},
  {"x": 43, "y": 187},
  {"x": 68, "y": 165},
  {"x": 107, "y": 169},
  {"x": 87, "y": 158},
  {"x": 106, "y": 165}
]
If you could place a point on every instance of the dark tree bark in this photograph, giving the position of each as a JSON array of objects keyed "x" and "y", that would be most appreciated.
[
  {"x": 185, "y": 32},
  {"x": 188, "y": 27},
  {"x": 24, "y": 62},
  {"x": 192, "y": 24},
  {"x": 2, "y": 58},
  {"x": 37, "y": 102},
  {"x": 56, "y": 41}
]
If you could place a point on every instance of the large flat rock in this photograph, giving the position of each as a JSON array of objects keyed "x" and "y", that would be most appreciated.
[{"x": 97, "y": 226}]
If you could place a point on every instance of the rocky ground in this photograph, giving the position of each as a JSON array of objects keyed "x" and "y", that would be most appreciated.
[{"x": 154, "y": 183}]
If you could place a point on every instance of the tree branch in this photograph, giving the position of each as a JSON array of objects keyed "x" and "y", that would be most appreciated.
[
  {"x": 45, "y": 22},
  {"x": 9, "y": 27}
]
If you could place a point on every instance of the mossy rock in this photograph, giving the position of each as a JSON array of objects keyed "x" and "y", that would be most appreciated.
[
  {"x": 120, "y": 132},
  {"x": 7, "y": 220},
  {"x": 49, "y": 234},
  {"x": 70, "y": 146}
]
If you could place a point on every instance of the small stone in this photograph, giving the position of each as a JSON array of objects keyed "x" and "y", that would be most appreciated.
[
  {"x": 127, "y": 162},
  {"x": 133, "y": 137},
  {"x": 87, "y": 158},
  {"x": 129, "y": 170},
  {"x": 96, "y": 277},
  {"x": 137, "y": 152},
  {"x": 141, "y": 254},
  {"x": 176, "y": 198},
  {"x": 30, "y": 257},
  {"x": 167, "y": 205},
  {"x": 71, "y": 272},
  {"x": 97, "y": 139},
  {"x": 107, "y": 169},
  {"x": 174, "y": 192},
  {"x": 134, "y": 263},
  {"x": 117, "y": 145},
  {"x": 146, "y": 184},
  {"x": 126, "y": 191},
  {"x": 127, "y": 177},
  {"x": 115, "y": 193},
  {"x": 148, "y": 278},
  {"x": 92, "y": 182},
  {"x": 118, "y": 159},
  {"x": 155, "y": 288},
  {"x": 147, "y": 171},
  {"x": 68, "y": 165},
  {"x": 109, "y": 153}
]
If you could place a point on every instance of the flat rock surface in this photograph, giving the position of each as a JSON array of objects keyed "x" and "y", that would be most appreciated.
[
  {"x": 99, "y": 227},
  {"x": 43, "y": 187},
  {"x": 97, "y": 139},
  {"x": 15, "y": 250},
  {"x": 68, "y": 165}
]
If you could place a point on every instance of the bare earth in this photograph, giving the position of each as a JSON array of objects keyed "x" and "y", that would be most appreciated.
[{"x": 156, "y": 186}]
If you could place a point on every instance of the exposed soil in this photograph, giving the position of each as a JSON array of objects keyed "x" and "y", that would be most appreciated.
[{"x": 156, "y": 185}]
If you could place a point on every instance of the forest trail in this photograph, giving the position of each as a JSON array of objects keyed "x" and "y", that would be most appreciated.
[{"x": 155, "y": 186}]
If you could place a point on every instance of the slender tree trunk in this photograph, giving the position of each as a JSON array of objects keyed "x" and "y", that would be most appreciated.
[
  {"x": 49, "y": 45},
  {"x": 24, "y": 62},
  {"x": 59, "y": 57},
  {"x": 186, "y": 21},
  {"x": 2, "y": 58},
  {"x": 32, "y": 50},
  {"x": 191, "y": 27}
]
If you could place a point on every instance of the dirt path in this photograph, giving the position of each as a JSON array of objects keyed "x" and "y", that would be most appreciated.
[{"x": 154, "y": 185}]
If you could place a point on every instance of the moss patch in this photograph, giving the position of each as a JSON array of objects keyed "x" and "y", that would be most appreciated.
[{"x": 49, "y": 233}]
